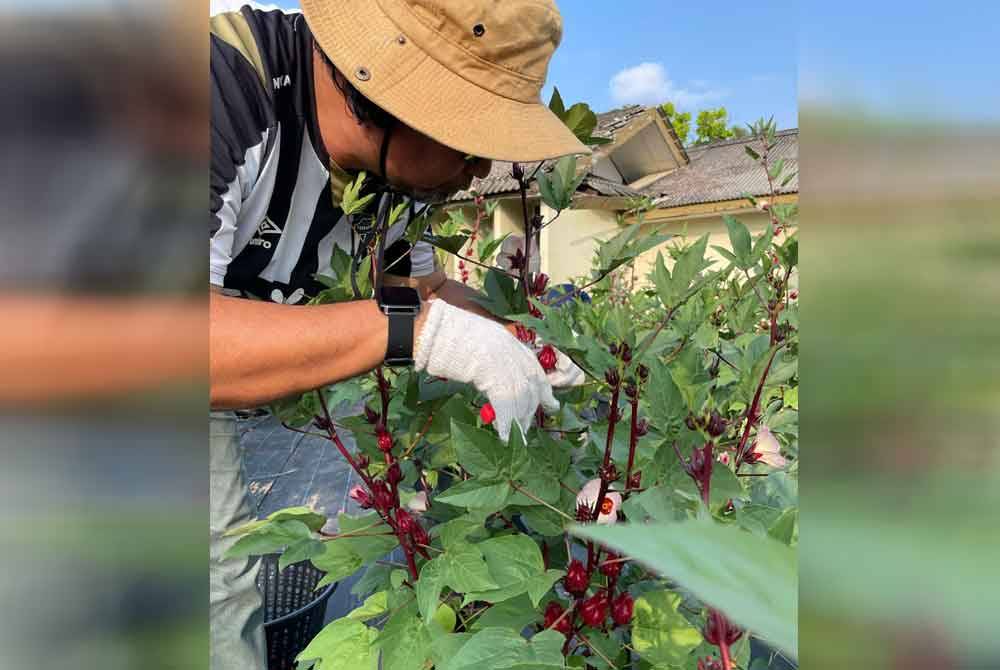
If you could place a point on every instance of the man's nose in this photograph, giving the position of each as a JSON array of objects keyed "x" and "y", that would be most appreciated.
[{"x": 479, "y": 167}]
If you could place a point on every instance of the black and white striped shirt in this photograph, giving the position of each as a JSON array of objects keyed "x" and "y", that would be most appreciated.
[{"x": 274, "y": 222}]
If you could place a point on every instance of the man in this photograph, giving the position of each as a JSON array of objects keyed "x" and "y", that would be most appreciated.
[{"x": 420, "y": 94}]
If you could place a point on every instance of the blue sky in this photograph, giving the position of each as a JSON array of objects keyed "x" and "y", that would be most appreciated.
[{"x": 698, "y": 55}]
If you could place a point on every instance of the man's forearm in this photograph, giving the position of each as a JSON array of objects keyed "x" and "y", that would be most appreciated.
[{"x": 262, "y": 351}]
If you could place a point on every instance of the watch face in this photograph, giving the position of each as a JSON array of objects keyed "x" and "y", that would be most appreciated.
[{"x": 399, "y": 296}]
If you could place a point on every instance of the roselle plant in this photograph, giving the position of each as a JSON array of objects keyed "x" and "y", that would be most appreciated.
[{"x": 548, "y": 551}]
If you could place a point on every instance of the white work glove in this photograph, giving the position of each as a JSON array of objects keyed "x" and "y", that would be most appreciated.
[{"x": 468, "y": 348}]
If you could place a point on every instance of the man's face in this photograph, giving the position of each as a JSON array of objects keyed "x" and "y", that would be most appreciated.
[{"x": 427, "y": 169}]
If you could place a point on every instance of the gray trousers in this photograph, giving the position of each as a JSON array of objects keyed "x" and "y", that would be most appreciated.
[{"x": 236, "y": 616}]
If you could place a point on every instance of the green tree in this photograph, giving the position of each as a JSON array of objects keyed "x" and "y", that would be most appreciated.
[
  {"x": 713, "y": 125},
  {"x": 681, "y": 121}
]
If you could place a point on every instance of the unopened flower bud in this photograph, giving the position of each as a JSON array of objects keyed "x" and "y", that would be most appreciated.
[
  {"x": 635, "y": 480},
  {"x": 371, "y": 415},
  {"x": 631, "y": 390},
  {"x": 611, "y": 566},
  {"x": 608, "y": 473},
  {"x": 612, "y": 378},
  {"x": 361, "y": 496},
  {"x": 576, "y": 580},
  {"x": 641, "y": 427},
  {"x": 384, "y": 441},
  {"x": 382, "y": 495},
  {"x": 594, "y": 611},
  {"x": 643, "y": 372},
  {"x": 394, "y": 474},
  {"x": 547, "y": 358},
  {"x": 321, "y": 423},
  {"x": 621, "y": 609}
]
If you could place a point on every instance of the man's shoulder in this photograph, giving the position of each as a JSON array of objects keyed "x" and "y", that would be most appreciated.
[{"x": 262, "y": 39}]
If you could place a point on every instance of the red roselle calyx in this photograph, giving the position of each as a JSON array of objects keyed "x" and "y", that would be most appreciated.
[
  {"x": 576, "y": 580},
  {"x": 547, "y": 358},
  {"x": 524, "y": 334},
  {"x": 594, "y": 610},
  {"x": 716, "y": 424},
  {"x": 621, "y": 609},
  {"x": 394, "y": 474},
  {"x": 609, "y": 568},
  {"x": 719, "y": 630},
  {"x": 635, "y": 480},
  {"x": 385, "y": 441},
  {"x": 641, "y": 427},
  {"x": 418, "y": 534},
  {"x": 404, "y": 521},
  {"x": 539, "y": 284},
  {"x": 382, "y": 496},
  {"x": 643, "y": 373},
  {"x": 371, "y": 415},
  {"x": 361, "y": 496},
  {"x": 553, "y": 612},
  {"x": 612, "y": 378},
  {"x": 709, "y": 663},
  {"x": 609, "y": 472},
  {"x": 362, "y": 461},
  {"x": 487, "y": 414}
]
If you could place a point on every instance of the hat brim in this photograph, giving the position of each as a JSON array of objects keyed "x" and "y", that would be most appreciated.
[{"x": 415, "y": 88}]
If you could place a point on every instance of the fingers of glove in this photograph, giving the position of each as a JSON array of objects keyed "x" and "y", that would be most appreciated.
[
  {"x": 505, "y": 416},
  {"x": 549, "y": 402}
]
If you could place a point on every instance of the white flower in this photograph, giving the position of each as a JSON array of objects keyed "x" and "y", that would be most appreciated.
[
  {"x": 609, "y": 506},
  {"x": 767, "y": 448},
  {"x": 418, "y": 503}
]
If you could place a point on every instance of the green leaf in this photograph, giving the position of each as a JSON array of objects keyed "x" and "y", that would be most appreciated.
[
  {"x": 445, "y": 647},
  {"x": 429, "y": 586},
  {"x": 300, "y": 551},
  {"x": 404, "y": 641},
  {"x": 661, "y": 634},
  {"x": 337, "y": 561},
  {"x": 368, "y": 546},
  {"x": 776, "y": 169},
  {"x": 505, "y": 649},
  {"x": 752, "y": 579},
  {"x": 785, "y": 529},
  {"x": 515, "y": 614},
  {"x": 556, "y": 103},
  {"x": 753, "y": 154},
  {"x": 373, "y": 606},
  {"x": 451, "y": 243},
  {"x": 516, "y": 566},
  {"x": 739, "y": 238},
  {"x": 346, "y": 644},
  {"x": 464, "y": 569},
  {"x": 269, "y": 538},
  {"x": 482, "y": 494},
  {"x": 479, "y": 451},
  {"x": 311, "y": 519}
]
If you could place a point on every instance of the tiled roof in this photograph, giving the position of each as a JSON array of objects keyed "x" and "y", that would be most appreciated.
[
  {"x": 723, "y": 171},
  {"x": 499, "y": 180}
]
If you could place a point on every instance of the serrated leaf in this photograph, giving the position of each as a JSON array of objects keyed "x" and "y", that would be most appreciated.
[
  {"x": 739, "y": 238},
  {"x": 300, "y": 551},
  {"x": 269, "y": 538},
  {"x": 660, "y": 633},
  {"x": 345, "y": 644},
  {"x": 505, "y": 649},
  {"x": 375, "y": 605},
  {"x": 429, "y": 587}
]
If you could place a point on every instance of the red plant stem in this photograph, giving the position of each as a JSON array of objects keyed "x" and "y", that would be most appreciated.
[
  {"x": 612, "y": 420},
  {"x": 727, "y": 662},
  {"x": 706, "y": 481},
  {"x": 411, "y": 563},
  {"x": 522, "y": 187},
  {"x": 633, "y": 439},
  {"x": 751, "y": 414}
]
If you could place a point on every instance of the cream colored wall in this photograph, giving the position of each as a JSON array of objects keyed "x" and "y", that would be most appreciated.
[
  {"x": 508, "y": 217},
  {"x": 568, "y": 245},
  {"x": 693, "y": 228}
]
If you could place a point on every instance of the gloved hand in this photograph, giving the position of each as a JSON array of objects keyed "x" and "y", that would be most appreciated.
[{"x": 465, "y": 347}]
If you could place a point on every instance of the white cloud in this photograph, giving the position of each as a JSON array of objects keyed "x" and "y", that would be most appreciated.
[
  {"x": 219, "y": 6},
  {"x": 649, "y": 84}
]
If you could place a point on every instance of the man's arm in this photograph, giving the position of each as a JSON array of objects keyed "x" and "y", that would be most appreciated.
[{"x": 263, "y": 351}]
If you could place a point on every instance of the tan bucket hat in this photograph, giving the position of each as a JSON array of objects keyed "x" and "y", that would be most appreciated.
[{"x": 467, "y": 73}]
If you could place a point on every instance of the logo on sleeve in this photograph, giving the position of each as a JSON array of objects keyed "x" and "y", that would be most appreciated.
[{"x": 266, "y": 227}]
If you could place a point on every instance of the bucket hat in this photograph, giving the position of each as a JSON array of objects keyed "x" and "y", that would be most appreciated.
[{"x": 466, "y": 73}]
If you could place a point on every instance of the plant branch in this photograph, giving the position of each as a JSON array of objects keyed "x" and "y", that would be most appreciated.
[
  {"x": 751, "y": 413},
  {"x": 597, "y": 651}
]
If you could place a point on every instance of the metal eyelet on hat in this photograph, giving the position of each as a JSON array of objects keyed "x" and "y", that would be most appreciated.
[
  {"x": 479, "y": 30},
  {"x": 401, "y": 39},
  {"x": 363, "y": 74}
]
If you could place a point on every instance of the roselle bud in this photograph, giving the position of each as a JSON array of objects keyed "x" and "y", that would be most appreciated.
[
  {"x": 583, "y": 512},
  {"x": 643, "y": 372},
  {"x": 609, "y": 568},
  {"x": 612, "y": 378},
  {"x": 625, "y": 353},
  {"x": 793, "y": 295},
  {"x": 418, "y": 534},
  {"x": 404, "y": 521},
  {"x": 641, "y": 427},
  {"x": 621, "y": 609},
  {"x": 534, "y": 311},
  {"x": 631, "y": 390},
  {"x": 576, "y": 580},
  {"x": 594, "y": 611},
  {"x": 547, "y": 358},
  {"x": 384, "y": 442},
  {"x": 608, "y": 473},
  {"x": 322, "y": 423},
  {"x": 516, "y": 171},
  {"x": 394, "y": 474},
  {"x": 613, "y": 349},
  {"x": 689, "y": 421},
  {"x": 716, "y": 424},
  {"x": 635, "y": 480},
  {"x": 361, "y": 496},
  {"x": 709, "y": 663},
  {"x": 382, "y": 496},
  {"x": 524, "y": 334},
  {"x": 554, "y": 613},
  {"x": 362, "y": 461}
]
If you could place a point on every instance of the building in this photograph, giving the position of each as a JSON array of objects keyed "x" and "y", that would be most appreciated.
[{"x": 690, "y": 189}]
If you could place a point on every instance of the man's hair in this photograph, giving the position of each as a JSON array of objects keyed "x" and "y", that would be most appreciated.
[{"x": 363, "y": 109}]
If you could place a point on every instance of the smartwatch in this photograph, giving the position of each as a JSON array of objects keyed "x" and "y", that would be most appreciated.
[{"x": 401, "y": 304}]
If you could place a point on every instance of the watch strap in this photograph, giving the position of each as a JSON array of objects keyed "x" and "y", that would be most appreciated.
[{"x": 399, "y": 350}]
